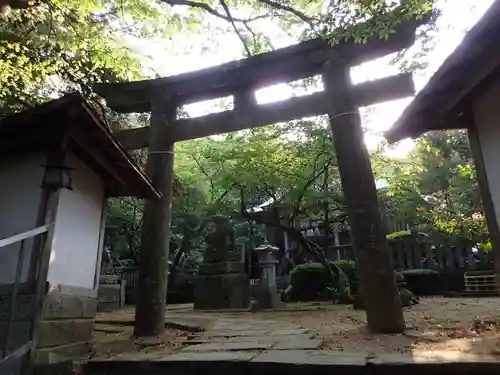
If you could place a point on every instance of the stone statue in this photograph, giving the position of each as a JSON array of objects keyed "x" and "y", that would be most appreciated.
[
  {"x": 220, "y": 240},
  {"x": 107, "y": 266}
]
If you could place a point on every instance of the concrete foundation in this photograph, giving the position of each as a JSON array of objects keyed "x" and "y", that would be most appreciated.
[{"x": 215, "y": 290}]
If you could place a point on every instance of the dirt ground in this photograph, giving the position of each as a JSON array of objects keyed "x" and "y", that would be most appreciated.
[{"x": 469, "y": 325}]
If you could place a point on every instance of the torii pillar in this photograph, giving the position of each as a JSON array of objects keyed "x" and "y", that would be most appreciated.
[
  {"x": 155, "y": 231},
  {"x": 380, "y": 295}
]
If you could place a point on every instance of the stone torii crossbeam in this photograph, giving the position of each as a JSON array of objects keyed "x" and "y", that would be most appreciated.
[{"x": 240, "y": 79}]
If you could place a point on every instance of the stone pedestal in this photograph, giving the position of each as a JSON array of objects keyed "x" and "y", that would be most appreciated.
[
  {"x": 267, "y": 296},
  {"x": 222, "y": 285},
  {"x": 111, "y": 293}
]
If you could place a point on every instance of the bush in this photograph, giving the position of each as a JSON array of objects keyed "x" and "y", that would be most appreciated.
[
  {"x": 309, "y": 281},
  {"x": 312, "y": 281},
  {"x": 350, "y": 269},
  {"x": 423, "y": 282}
]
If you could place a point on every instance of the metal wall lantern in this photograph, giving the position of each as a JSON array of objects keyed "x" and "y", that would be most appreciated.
[{"x": 57, "y": 177}]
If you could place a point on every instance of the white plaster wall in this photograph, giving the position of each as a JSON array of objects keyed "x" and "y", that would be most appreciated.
[
  {"x": 20, "y": 193},
  {"x": 76, "y": 246},
  {"x": 487, "y": 121}
]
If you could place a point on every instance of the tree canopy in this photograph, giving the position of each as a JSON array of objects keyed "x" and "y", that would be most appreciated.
[{"x": 51, "y": 46}]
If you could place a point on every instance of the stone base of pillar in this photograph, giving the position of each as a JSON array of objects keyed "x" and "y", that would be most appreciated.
[
  {"x": 268, "y": 299},
  {"x": 214, "y": 290}
]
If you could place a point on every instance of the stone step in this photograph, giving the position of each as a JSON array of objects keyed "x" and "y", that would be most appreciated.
[
  {"x": 255, "y": 332},
  {"x": 203, "y": 339}
]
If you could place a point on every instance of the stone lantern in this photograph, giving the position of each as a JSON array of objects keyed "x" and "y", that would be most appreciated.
[{"x": 268, "y": 296}]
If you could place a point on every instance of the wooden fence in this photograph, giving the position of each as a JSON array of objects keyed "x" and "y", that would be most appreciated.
[
  {"x": 410, "y": 255},
  {"x": 405, "y": 255}
]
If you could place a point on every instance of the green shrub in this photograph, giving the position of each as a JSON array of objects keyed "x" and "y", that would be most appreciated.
[
  {"x": 423, "y": 282},
  {"x": 309, "y": 281},
  {"x": 312, "y": 281},
  {"x": 350, "y": 269}
]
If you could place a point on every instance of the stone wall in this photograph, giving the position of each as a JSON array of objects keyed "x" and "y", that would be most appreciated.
[{"x": 67, "y": 319}]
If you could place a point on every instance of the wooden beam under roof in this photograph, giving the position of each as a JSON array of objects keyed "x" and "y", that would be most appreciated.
[
  {"x": 251, "y": 116},
  {"x": 284, "y": 65}
]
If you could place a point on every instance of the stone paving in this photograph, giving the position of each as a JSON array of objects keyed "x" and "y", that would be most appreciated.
[
  {"x": 244, "y": 345},
  {"x": 250, "y": 334}
]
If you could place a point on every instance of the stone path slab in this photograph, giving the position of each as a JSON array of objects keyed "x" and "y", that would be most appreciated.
[
  {"x": 233, "y": 356},
  {"x": 245, "y": 326},
  {"x": 190, "y": 324},
  {"x": 203, "y": 340},
  {"x": 250, "y": 335},
  {"x": 254, "y": 332},
  {"x": 298, "y": 343},
  {"x": 185, "y": 322},
  {"x": 229, "y": 346}
]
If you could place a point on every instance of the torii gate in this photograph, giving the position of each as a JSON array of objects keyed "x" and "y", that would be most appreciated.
[{"x": 340, "y": 101}]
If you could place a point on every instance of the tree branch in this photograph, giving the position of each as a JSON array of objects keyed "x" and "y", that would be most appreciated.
[
  {"x": 212, "y": 11},
  {"x": 230, "y": 17},
  {"x": 254, "y": 36},
  {"x": 297, "y": 13},
  {"x": 210, "y": 178}
]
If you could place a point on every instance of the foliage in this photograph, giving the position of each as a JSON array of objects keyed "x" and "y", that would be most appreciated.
[
  {"x": 54, "y": 46},
  {"x": 419, "y": 271},
  {"x": 398, "y": 235},
  {"x": 351, "y": 271},
  {"x": 312, "y": 18},
  {"x": 423, "y": 282},
  {"x": 309, "y": 281},
  {"x": 435, "y": 190},
  {"x": 312, "y": 281},
  {"x": 279, "y": 175}
]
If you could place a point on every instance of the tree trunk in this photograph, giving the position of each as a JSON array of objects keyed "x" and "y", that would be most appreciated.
[
  {"x": 326, "y": 219},
  {"x": 155, "y": 232},
  {"x": 380, "y": 294}
]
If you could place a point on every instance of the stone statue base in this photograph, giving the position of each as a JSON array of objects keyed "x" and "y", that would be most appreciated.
[
  {"x": 111, "y": 293},
  {"x": 222, "y": 285},
  {"x": 267, "y": 299}
]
